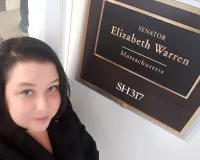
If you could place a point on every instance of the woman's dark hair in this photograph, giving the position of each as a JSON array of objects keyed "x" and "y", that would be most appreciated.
[{"x": 25, "y": 49}]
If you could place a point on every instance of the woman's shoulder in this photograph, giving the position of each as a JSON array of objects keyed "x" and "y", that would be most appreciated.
[
  {"x": 68, "y": 116},
  {"x": 71, "y": 121},
  {"x": 7, "y": 153}
]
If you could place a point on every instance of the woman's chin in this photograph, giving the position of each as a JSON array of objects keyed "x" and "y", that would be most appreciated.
[{"x": 40, "y": 127}]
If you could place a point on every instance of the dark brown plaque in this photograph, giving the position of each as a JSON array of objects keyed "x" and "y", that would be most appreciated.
[{"x": 145, "y": 56}]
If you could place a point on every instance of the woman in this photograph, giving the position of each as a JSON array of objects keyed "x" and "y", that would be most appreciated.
[{"x": 36, "y": 117}]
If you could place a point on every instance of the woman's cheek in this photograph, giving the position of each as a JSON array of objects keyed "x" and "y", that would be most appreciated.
[
  {"x": 28, "y": 104},
  {"x": 54, "y": 101}
]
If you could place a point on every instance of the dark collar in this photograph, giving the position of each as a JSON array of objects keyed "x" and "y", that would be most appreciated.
[{"x": 33, "y": 150}]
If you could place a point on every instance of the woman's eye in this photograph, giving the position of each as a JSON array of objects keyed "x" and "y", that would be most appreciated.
[
  {"x": 26, "y": 92},
  {"x": 53, "y": 88}
]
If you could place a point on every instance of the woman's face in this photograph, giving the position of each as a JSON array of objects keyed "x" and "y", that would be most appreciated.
[{"x": 32, "y": 94}]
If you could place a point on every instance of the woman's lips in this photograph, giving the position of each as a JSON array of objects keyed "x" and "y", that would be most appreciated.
[{"x": 42, "y": 119}]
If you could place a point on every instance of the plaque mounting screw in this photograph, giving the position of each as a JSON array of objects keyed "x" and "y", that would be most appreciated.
[{"x": 123, "y": 105}]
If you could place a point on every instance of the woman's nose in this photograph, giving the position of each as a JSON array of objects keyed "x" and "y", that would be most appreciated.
[{"x": 42, "y": 103}]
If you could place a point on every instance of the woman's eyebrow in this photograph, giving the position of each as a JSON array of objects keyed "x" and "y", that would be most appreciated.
[
  {"x": 56, "y": 80},
  {"x": 30, "y": 84},
  {"x": 25, "y": 84}
]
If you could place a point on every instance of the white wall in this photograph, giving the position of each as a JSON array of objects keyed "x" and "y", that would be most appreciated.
[
  {"x": 195, "y": 3},
  {"x": 12, "y": 4},
  {"x": 119, "y": 133},
  {"x": 74, "y": 45},
  {"x": 46, "y": 22}
]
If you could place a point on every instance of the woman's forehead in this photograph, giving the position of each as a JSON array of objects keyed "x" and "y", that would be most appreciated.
[{"x": 33, "y": 72}]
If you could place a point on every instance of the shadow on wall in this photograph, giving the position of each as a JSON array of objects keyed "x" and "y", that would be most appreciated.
[
  {"x": 2, "y": 5},
  {"x": 1, "y": 39}
]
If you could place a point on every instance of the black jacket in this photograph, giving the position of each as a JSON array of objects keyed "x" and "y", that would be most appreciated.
[{"x": 69, "y": 139}]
